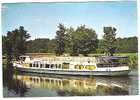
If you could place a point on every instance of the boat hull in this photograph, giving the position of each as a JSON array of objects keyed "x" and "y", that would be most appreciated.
[{"x": 73, "y": 72}]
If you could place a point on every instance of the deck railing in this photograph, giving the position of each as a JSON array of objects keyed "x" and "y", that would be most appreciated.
[{"x": 112, "y": 65}]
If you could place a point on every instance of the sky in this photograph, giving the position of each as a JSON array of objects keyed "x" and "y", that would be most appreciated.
[{"x": 41, "y": 19}]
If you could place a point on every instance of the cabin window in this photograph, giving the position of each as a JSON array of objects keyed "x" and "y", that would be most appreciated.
[
  {"x": 36, "y": 65},
  {"x": 65, "y": 66},
  {"x": 56, "y": 66},
  {"x": 76, "y": 66},
  {"x": 52, "y": 65},
  {"x": 31, "y": 65},
  {"x": 59, "y": 66},
  {"x": 41, "y": 65},
  {"x": 46, "y": 65},
  {"x": 79, "y": 67}
]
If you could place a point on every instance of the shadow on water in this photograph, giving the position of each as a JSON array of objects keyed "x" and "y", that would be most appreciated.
[
  {"x": 12, "y": 86},
  {"x": 31, "y": 85}
]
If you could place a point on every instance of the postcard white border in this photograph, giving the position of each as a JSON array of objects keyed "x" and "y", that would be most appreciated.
[{"x": 135, "y": 97}]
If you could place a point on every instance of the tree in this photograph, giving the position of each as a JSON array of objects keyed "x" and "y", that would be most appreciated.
[
  {"x": 4, "y": 40},
  {"x": 60, "y": 40},
  {"x": 68, "y": 40},
  {"x": 109, "y": 39},
  {"x": 15, "y": 43},
  {"x": 71, "y": 41},
  {"x": 7, "y": 48},
  {"x": 88, "y": 40},
  {"x": 82, "y": 40},
  {"x": 100, "y": 49}
]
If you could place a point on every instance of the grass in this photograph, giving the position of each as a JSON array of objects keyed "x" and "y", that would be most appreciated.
[
  {"x": 126, "y": 54},
  {"x": 132, "y": 59}
]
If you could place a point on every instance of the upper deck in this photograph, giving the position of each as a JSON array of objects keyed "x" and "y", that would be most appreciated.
[
  {"x": 101, "y": 61},
  {"x": 60, "y": 59}
]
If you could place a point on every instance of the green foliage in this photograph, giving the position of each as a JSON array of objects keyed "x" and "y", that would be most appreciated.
[
  {"x": 109, "y": 39},
  {"x": 87, "y": 40},
  {"x": 4, "y": 45},
  {"x": 37, "y": 45},
  {"x": 7, "y": 48},
  {"x": 100, "y": 49},
  {"x": 82, "y": 40},
  {"x": 51, "y": 46},
  {"x": 132, "y": 59},
  {"x": 45, "y": 45},
  {"x": 123, "y": 45},
  {"x": 14, "y": 44},
  {"x": 128, "y": 45},
  {"x": 41, "y": 45},
  {"x": 60, "y": 45},
  {"x": 68, "y": 40}
]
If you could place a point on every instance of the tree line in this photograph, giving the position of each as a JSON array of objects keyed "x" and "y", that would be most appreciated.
[
  {"x": 46, "y": 45},
  {"x": 75, "y": 41},
  {"x": 83, "y": 40}
]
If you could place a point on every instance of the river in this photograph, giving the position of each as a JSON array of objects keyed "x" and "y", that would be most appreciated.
[{"x": 39, "y": 85}]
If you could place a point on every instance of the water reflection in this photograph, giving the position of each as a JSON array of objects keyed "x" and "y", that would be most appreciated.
[
  {"x": 15, "y": 86},
  {"x": 76, "y": 86}
]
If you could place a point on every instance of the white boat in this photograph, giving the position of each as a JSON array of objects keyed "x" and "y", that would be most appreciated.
[{"x": 104, "y": 66}]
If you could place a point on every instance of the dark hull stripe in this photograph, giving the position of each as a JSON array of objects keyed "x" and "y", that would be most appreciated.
[{"x": 82, "y": 73}]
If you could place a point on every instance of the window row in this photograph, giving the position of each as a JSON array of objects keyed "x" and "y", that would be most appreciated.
[{"x": 45, "y": 65}]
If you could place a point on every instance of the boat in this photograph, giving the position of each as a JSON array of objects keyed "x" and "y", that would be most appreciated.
[{"x": 82, "y": 66}]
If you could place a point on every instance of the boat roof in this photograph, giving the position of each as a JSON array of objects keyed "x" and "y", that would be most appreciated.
[
  {"x": 113, "y": 57},
  {"x": 24, "y": 56}
]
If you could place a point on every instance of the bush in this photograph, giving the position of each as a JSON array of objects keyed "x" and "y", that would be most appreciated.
[{"x": 133, "y": 61}]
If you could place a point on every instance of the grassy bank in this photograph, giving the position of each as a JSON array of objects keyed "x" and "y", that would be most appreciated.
[{"x": 132, "y": 59}]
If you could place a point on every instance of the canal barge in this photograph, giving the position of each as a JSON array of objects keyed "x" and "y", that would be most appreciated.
[{"x": 82, "y": 66}]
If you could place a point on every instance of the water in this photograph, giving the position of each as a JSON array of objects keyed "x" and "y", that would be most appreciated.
[{"x": 38, "y": 85}]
